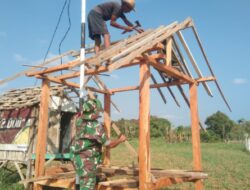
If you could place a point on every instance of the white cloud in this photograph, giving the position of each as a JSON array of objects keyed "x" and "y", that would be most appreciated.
[
  {"x": 172, "y": 117},
  {"x": 19, "y": 58},
  {"x": 114, "y": 76},
  {"x": 240, "y": 81}
]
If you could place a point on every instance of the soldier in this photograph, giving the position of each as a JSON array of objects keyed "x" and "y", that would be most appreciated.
[{"x": 89, "y": 140}]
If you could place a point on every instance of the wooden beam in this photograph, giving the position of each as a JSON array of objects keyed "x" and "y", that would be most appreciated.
[
  {"x": 121, "y": 183},
  {"x": 50, "y": 177},
  {"x": 58, "y": 81},
  {"x": 166, "y": 181},
  {"x": 169, "y": 51},
  {"x": 205, "y": 79},
  {"x": 42, "y": 131},
  {"x": 191, "y": 57},
  {"x": 159, "y": 90},
  {"x": 144, "y": 127},
  {"x": 107, "y": 126},
  {"x": 68, "y": 183},
  {"x": 33, "y": 69},
  {"x": 170, "y": 71},
  {"x": 54, "y": 69},
  {"x": 127, "y": 144},
  {"x": 131, "y": 88},
  {"x": 102, "y": 86},
  {"x": 195, "y": 133},
  {"x": 97, "y": 90}
]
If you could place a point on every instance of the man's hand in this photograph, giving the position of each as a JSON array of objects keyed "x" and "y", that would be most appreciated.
[
  {"x": 128, "y": 29},
  {"x": 122, "y": 138}
]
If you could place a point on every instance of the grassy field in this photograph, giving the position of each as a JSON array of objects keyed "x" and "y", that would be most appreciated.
[{"x": 228, "y": 165}]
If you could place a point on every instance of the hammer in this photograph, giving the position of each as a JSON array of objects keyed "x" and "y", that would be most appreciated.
[{"x": 137, "y": 25}]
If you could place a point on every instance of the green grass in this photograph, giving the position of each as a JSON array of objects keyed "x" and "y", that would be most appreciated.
[{"x": 228, "y": 165}]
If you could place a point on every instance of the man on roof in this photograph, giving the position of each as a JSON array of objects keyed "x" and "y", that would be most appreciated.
[{"x": 109, "y": 11}]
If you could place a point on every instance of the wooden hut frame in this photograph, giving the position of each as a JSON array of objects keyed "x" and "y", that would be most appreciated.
[{"x": 153, "y": 49}]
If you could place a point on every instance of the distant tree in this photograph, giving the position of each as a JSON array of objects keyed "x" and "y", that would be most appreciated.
[
  {"x": 220, "y": 125},
  {"x": 180, "y": 133},
  {"x": 246, "y": 126},
  {"x": 159, "y": 127}
]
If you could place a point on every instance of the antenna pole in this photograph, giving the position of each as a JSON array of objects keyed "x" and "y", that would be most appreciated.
[{"x": 82, "y": 52}]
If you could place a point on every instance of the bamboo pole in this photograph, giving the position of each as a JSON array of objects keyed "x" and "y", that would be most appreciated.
[
  {"x": 144, "y": 126},
  {"x": 195, "y": 133},
  {"x": 42, "y": 131}
]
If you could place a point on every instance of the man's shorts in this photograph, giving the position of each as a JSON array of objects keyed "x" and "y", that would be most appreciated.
[{"x": 97, "y": 26}]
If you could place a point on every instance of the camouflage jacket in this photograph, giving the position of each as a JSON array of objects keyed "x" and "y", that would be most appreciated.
[{"x": 89, "y": 134}]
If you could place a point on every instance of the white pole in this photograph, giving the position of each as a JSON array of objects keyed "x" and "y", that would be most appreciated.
[
  {"x": 82, "y": 68},
  {"x": 82, "y": 52}
]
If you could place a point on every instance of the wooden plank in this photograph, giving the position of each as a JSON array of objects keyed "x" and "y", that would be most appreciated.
[
  {"x": 122, "y": 183},
  {"x": 54, "y": 69},
  {"x": 56, "y": 176},
  {"x": 97, "y": 90},
  {"x": 155, "y": 39},
  {"x": 209, "y": 67},
  {"x": 205, "y": 79},
  {"x": 170, "y": 71},
  {"x": 127, "y": 144},
  {"x": 144, "y": 127},
  {"x": 3, "y": 163},
  {"x": 195, "y": 133},
  {"x": 107, "y": 126},
  {"x": 33, "y": 69},
  {"x": 52, "y": 170},
  {"x": 118, "y": 48},
  {"x": 68, "y": 183},
  {"x": 20, "y": 172},
  {"x": 169, "y": 51},
  {"x": 131, "y": 88},
  {"x": 191, "y": 57},
  {"x": 166, "y": 181},
  {"x": 159, "y": 90},
  {"x": 169, "y": 89},
  {"x": 55, "y": 80},
  {"x": 102, "y": 85},
  {"x": 137, "y": 45},
  {"x": 42, "y": 131}
]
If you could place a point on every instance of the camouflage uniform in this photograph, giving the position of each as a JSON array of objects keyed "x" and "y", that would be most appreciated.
[{"x": 90, "y": 137}]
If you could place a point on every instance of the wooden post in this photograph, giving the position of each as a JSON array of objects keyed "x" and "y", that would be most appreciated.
[
  {"x": 32, "y": 133},
  {"x": 42, "y": 131},
  {"x": 144, "y": 127},
  {"x": 169, "y": 51},
  {"x": 107, "y": 125},
  {"x": 195, "y": 133}
]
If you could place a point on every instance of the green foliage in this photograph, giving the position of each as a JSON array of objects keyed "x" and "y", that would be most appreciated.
[
  {"x": 159, "y": 126},
  {"x": 9, "y": 180},
  {"x": 220, "y": 124},
  {"x": 209, "y": 137}
]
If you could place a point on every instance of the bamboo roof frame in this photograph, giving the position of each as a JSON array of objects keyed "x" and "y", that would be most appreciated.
[{"x": 155, "y": 49}]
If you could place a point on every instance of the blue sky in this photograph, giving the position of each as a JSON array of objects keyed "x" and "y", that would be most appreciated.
[{"x": 26, "y": 28}]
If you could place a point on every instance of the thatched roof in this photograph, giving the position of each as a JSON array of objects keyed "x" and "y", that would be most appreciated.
[{"x": 23, "y": 98}]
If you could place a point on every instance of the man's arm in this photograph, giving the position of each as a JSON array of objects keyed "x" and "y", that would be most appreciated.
[
  {"x": 115, "y": 143},
  {"x": 113, "y": 23},
  {"x": 127, "y": 22}
]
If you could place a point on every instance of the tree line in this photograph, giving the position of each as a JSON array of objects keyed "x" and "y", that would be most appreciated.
[{"x": 219, "y": 127}]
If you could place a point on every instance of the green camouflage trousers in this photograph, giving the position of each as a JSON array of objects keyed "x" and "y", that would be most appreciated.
[{"x": 86, "y": 163}]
